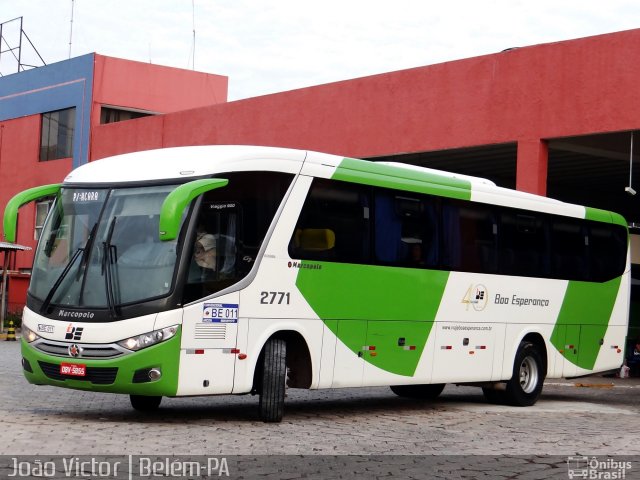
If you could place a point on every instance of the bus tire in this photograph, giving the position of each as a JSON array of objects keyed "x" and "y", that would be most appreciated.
[
  {"x": 426, "y": 392},
  {"x": 143, "y": 403},
  {"x": 525, "y": 385},
  {"x": 273, "y": 381}
]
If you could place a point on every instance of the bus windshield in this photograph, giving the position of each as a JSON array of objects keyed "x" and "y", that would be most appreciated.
[{"x": 100, "y": 248}]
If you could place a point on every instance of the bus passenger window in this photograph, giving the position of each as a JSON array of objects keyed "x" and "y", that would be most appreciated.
[
  {"x": 470, "y": 234},
  {"x": 607, "y": 251},
  {"x": 568, "y": 247},
  {"x": 334, "y": 224},
  {"x": 405, "y": 230},
  {"x": 523, "y": 244}
]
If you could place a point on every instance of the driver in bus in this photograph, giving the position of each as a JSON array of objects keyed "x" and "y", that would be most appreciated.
[{"x": 205, "y": 251}]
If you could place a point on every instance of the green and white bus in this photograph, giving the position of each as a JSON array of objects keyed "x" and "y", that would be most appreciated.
[{"x": 233, "y": 270}]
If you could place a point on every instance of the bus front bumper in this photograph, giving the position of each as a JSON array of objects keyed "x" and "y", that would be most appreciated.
[{"x": 135, "y": 373}]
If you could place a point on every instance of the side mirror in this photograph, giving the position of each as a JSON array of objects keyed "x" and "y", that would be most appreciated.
[
  {"x": 177, "y": 201},
  {"x": 10, "y": 220}
]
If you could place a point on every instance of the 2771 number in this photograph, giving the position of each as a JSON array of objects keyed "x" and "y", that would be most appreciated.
[{"x": 275, "y": 298}]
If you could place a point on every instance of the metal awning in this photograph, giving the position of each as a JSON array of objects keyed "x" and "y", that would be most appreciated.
[{"x": 12, "y": 246}]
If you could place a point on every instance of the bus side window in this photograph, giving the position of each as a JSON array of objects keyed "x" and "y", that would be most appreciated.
[
  {"x": 607, "y": 251},
  {"x": 334, "y": 224},
  {"x": 405, "y": 229},
  {"x": 568, "y": 247},
  {"x": 470, "y": 234},
  {"x": 523, "y": 244}
]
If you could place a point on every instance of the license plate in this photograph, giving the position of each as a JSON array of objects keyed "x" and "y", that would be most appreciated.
[{"x": 73, "y": 369}]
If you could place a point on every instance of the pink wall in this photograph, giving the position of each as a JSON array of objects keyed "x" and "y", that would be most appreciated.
[
  {"x": 154, "y": 88},
  {"x": 524, "y": 95},
  {"x": 21, "y": 169}
]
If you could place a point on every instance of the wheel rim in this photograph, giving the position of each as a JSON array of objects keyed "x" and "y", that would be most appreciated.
[{"x": 528, "y": 375}]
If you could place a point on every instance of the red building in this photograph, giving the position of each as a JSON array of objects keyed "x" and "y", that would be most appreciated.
[{"x": 552, "y": 119}]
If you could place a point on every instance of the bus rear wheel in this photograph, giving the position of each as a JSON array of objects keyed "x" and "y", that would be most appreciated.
[
  {"x": 426, "y": 392},
  {"x": 143, "y": 403},
  {"x": 525, "y": 386},
  {"x": 273, "y": 380}
]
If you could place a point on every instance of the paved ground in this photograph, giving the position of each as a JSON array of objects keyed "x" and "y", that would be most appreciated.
[{"x": 592, "y": 416}]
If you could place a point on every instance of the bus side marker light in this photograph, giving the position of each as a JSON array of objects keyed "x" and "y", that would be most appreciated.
[
  {"x": 368, "y": 348},
  {"x": 409, "y": 347},
  {"x": 235, "y": 350},
  {"x": 242, "y": 356},
  {"x": 446, "y": 347},
  {"x": 471, "y": 352},
  {"x": 374, "y": 354},
  {"x": 481, "y": 347}
]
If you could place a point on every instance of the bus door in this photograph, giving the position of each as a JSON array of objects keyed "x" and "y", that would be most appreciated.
[{"x": 209, "y": 340}]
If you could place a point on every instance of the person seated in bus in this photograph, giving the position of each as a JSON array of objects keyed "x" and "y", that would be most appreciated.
[
  {"x": 203, "y": 265},
  {"x": 205, "y": 252}
]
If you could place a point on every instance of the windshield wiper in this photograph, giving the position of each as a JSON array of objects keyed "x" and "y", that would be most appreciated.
[
  {"x": 85, "y": 259},
  {"x": 87, "y": 250},
  {"x": 110, "y": 256},
  {"x": 61, "y": 277}
]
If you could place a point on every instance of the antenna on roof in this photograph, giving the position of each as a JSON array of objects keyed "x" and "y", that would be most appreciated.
[
  {"x": 193, "y": 47},
  {"x": 71, "y": 28}
]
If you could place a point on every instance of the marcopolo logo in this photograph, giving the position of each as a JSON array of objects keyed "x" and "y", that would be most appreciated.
[
  {"x": 67, "y": 314},
  {"x": 73, "y": 333},
  {"x": 597, "y": 469},
  {"x": 308, "y": 266}
]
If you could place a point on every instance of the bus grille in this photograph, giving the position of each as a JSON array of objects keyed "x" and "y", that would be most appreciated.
[
  {"x": 96, "y": 375},
  {"x": 61, "y": 349},
  {"x": 211, "y": 331}
]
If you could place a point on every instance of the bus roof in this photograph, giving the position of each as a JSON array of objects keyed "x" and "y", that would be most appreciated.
[{"x": 184, "y": 163}]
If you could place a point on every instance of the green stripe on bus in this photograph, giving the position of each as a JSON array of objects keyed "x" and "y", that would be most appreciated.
[
  {"x": 388, "y": 308},
  {"x": 588, "y": 306},
  {"x": 598, "y": 215},
  {"x": 388, "y": 176},
  {"x": 605, "y": 216}
]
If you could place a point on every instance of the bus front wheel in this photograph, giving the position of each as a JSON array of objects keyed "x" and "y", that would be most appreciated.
[
  {"x": 273, "y": 380},
  {"x": 525, "y": 385},
  {"x": 143, "y": 403}
]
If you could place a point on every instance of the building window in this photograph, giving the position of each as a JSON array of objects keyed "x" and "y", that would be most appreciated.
[
  {"x": 42, "y": 209},
  {"x": 113, "y": 115},
  {"x": 57, "y": 134}
]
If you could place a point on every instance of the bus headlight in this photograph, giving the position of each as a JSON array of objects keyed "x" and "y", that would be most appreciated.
[
  {"x": 147, "y": 339},
  {"x": 29, "y": 335}
]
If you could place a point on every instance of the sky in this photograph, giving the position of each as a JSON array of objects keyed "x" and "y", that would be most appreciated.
[{"x": 277, "y": 45}]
